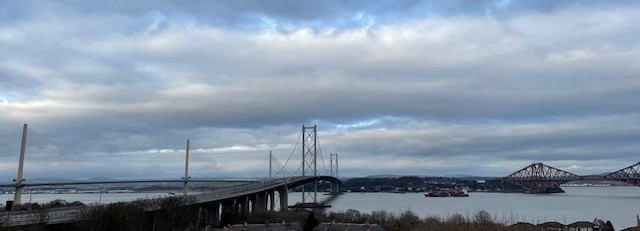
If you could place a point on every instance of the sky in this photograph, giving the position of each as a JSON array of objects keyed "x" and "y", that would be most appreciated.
[{"x": 115, "y": 88}]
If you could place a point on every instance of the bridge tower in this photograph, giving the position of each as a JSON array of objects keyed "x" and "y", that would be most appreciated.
[
  {"x": 185, "y": 189},
  {"x": 334, "y": 165},
  {"x": 17, "y": 197},
  {"x": 335, "y": 187},
  {"x": 309, "y": 164},
  {"x": 270, "y": 163}
]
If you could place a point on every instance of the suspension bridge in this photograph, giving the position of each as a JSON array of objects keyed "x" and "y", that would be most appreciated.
[
  {"x": 249, "y": 197},
  {"x": 541, "y": 178}
]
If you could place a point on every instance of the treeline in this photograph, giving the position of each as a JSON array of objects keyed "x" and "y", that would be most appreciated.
[
  {"x": 169, "y": 213},
  {"x": 57, "y": 203},
  {"x": 173, "y": 213},
  {"x": 406, "y": 220},
  {"x": 421, "y": 184}
]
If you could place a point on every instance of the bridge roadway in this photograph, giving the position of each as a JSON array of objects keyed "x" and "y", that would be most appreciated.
[
  {"x": 262, "y": 186},
  {"x": 250, "y": 197}
]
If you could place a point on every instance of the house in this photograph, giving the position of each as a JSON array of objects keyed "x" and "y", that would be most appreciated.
[
  {"x": 635, "y": 228},
  {"x": 552, "y": 225},
  {"x": 261, "y": 227},
  {"x": 583, "y": 226},
  {"x": 332, "y": 226},
  {"x": 523, "y": 226}
]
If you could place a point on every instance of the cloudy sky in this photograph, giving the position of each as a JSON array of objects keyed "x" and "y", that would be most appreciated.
[{"x": 115, "y": 88}]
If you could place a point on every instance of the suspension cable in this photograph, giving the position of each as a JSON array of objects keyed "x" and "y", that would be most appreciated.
[
  {"x": 290, "y": 155},
  {"x": 322, "y": 157}
]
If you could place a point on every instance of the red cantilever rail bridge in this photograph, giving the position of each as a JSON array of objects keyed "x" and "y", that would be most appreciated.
[{"x": 540, "y": 178}]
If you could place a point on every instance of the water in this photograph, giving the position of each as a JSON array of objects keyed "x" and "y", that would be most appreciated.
[{"x": 617, "y": 204}]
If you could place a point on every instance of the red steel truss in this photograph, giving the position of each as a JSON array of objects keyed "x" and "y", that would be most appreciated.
[
  {"x": 630, "y": 175},
  {"x": 540, "y": 178}
]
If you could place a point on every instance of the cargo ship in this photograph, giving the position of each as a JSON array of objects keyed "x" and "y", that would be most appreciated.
[{"x": 447, "y": 193}]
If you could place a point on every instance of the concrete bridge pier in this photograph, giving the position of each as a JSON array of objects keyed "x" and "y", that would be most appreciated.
[
  {"x": 212, "y": 214},
  {"x": 261, "y": 202},
  {"x": 254, "y": 203},
  {"x": 237, "y": 206},
  {"x": 336, "y": 187},
  {"x": 229, "y": 207},
  {"x": 284, "y": 198},
  {"x": 244, "y": 201},
  {"x": 271, "y": 196},
  {"x": 216, "y": 215}
]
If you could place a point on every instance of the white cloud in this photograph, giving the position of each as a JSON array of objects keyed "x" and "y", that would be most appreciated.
[{"x": 554, "y": 85}]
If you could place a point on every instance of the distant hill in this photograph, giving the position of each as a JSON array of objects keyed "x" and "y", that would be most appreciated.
[
  {"x": 460, "y": 176},
  {"x": 50, "y": 180},
  {"x": 457, "y": 176},
  {"x": 395, "y": 176},
  {"x": 383, "y": 176},
  {"x": 99, "y": 179},
  {"x": 471, "y": 177}
]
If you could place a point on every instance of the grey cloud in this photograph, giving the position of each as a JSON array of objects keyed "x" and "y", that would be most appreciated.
[
  {"x": 131, "y": 78},
  {"x": 563, "y": 139},
  {"x": 286, "y": 14}
]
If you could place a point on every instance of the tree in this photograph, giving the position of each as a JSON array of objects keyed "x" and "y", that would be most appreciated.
[
  {"x": 381, "y": 217},
  {"x": 116, "y": 216},
  {"x": 608, "y": 227},
  {"x": 407, "y": 220},
  {"x": 311, "y": 223},
  {"x": 175, "y": 213},
  {"x": 352, "y": 216},
  {"x": 483, "y": 217},
  {"x": 604, "y": 226},
  {"x": 456, "y": 219},
  {"x": 432, "y": 223}
]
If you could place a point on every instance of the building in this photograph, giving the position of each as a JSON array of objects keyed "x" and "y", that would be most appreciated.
[
  {"x": 635, "y": 228},
  {"x": 332, "y": 226},
  {"x": 523, "y": 226},
  {"x": 552, "y": 225},
  {"x": 583, "y": 226},
  {"x": 263, "y": 227}
]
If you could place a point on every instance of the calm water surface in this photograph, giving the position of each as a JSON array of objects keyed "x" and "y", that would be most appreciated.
[{"x": 617, "y": 204}]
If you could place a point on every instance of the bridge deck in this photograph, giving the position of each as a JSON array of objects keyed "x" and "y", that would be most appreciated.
[{"x": 63, "y": 215}]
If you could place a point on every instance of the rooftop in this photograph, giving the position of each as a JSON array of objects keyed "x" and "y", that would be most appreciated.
[{"x": 347, "y": 226}]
